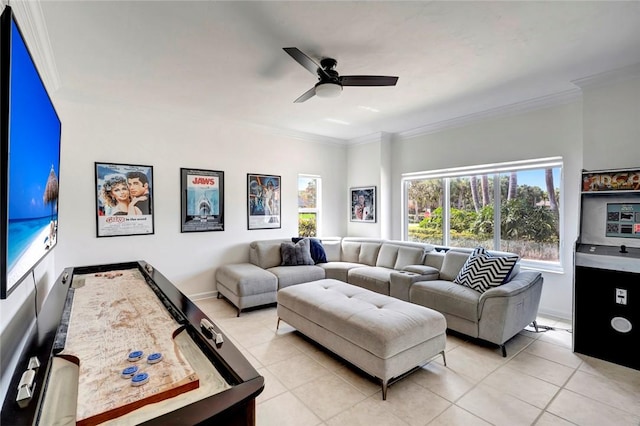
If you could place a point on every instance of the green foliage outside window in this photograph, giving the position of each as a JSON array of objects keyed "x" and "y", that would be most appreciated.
[
  {"x": 307, "y": 225},
  {"x": 529, "y": 216}
]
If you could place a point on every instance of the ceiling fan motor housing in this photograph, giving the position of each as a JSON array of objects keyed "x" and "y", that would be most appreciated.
[{"x": 328, "y": 68}]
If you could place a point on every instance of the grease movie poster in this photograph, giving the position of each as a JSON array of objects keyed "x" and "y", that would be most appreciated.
[{"x": 124, "y": 200}]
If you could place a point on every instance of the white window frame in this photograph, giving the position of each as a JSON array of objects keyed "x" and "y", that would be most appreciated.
[
  {"x": 317, "y": 210},
  {"x": 490, "y": 169}
]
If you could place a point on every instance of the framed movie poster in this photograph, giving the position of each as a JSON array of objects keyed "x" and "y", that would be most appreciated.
[
  {"x": 363, "y": 204},
  {"x": 263, "y": 201},
  {"x": 202, "y": 200},
  {"x": 124, "y": 203}
]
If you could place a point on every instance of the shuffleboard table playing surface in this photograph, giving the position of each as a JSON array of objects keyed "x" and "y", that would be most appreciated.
[
  {"x": 91, "y": 320},
  {"x": 113, "y": 314}
]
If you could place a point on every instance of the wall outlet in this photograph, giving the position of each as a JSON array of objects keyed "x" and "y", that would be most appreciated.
[{"x": 621, "y": 296}]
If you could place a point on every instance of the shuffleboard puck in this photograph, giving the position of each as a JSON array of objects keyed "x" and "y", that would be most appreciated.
[
  {"x": 139, "y": 379},
  {"x": 154, "y": 358},
  {"x": 135, "y": 355},
  {"x": 128, "y": 372}
]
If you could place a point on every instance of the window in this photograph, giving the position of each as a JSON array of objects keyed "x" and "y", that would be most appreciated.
[
  {"x": 461, "y": 207},
  {"x": 308, "y": 205}
]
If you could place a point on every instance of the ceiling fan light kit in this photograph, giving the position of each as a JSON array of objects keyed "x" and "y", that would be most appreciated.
[
  {"x": 330, "y": 83},
  {"x": 328, "y": 90}
]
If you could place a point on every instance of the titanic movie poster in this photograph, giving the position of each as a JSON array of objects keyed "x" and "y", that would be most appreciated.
[
  {"x": 202, "y": 200},
  {"x": 124, "y": 201}
]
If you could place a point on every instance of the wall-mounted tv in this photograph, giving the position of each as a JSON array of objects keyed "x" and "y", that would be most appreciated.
[{"x": 30, "y": 158}]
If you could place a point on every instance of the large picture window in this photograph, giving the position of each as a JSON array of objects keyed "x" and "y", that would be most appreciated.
[
  {"x": 461, "y": 207},
  {"x": 308, "y": 205}
]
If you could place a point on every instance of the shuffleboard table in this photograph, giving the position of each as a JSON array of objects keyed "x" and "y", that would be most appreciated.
[{"x": 119, "y": 344}]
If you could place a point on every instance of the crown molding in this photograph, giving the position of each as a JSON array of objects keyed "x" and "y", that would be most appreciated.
[
  {"x": 614, "y": 76},
  {"x": 34, "y": 29},
  {"x": 560, "y": 98},
  {"x": 361, "y": 140},
  {"x": 295, "y": 134}
]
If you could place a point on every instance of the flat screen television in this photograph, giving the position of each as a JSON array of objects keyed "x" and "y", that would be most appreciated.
[{"x": 30, "y": 158}]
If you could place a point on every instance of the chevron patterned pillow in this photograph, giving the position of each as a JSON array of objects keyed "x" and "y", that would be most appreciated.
[{"x": 482, "y": 271}]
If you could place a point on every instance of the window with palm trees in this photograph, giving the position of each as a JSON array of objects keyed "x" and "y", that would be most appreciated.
[
  {"x": 461, "y": 207},
  {"x": 308, "y": 205}
]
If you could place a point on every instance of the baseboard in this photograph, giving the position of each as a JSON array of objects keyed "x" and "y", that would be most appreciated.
[
  {"x": 204, "y": 295},
  {"x": 557, "y": 315}
]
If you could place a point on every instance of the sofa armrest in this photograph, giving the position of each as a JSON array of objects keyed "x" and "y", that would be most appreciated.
[
  {"x": 520, "y": 283},
  {"x": 429, "y": 271},
  {"x": 505, "y": 310},
  {"x": 400, "y": 282}
]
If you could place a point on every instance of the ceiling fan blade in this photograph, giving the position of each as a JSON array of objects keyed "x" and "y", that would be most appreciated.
[
  {"x": 367, "y": 80},
  {"x": 305, "y": 61},
  {"x": 306, "y": 95}
]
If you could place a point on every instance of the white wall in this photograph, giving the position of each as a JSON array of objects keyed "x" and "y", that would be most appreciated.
[
  {"x": 18, "y": 316},
  {"x": 612, "y": 124},
  {"x": 554, "y": 131},
  {"x": 363, "y": 160},
  {"x": 168, "y": 142}
]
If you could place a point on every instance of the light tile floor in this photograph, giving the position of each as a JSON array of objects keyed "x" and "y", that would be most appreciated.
[{"x": 541, "y": 382}]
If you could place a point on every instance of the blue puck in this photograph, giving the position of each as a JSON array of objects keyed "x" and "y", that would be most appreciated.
[
  {"x": 135, "y": 355},
  {"x": 128, "y": 372},
  {"x": 154, "y": 358},
  {"x": 139, "y": 379}
]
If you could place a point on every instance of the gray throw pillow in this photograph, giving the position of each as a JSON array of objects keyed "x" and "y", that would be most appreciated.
[{"x": 296, "y": 254}]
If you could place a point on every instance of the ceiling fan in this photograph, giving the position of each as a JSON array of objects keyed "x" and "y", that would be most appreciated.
[{"x": 330, "y": 82}]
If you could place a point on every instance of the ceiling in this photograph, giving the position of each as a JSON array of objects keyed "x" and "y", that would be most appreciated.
[{"x": 225, "y": 59}]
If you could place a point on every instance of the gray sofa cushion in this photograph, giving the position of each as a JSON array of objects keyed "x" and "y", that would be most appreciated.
[
  {"x": 408, "y": 256},
  {"x": 290, "y": 275},
  {"x": 372, "y": 278},
  {"x": 368, "y": 253},
  {"x": 452, "y": 263},
  {"x": 266, "y": 254},
  {"x": 332, "y": 249},
  {"x": 246, "y": 279},
  {"x": 338, "y": 270},
  {"x": 357, "y": 251},
  {"x": 350, "y": 251},
  {"x": 294, "y": 254},
  {"x": 387, "y": 256},
  {"x": 447, "y": 297}
]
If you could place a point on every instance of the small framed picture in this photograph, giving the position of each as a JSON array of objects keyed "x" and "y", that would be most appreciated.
[
  {"x": 124, "y": 202},
  {"x": 363, "y": 204},
  {"x": 263, "y": 201},
  {"x": 202, "y": 196}
]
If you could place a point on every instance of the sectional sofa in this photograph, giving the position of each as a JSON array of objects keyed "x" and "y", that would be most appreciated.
[{"x": 413, "y": 272}]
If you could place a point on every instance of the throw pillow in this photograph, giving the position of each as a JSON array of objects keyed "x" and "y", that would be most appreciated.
[
  {"x": 317, "y": 249},
  {"x": 482, "y": 271},
  {"x": 296, "y": 253}
]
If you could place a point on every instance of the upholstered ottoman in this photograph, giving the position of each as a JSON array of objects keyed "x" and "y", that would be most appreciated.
[
  {"x": 381, "y": 335},
  {"x": 246, "y": 285}
]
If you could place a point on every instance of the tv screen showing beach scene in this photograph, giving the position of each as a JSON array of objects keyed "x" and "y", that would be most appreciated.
[{"x": 31, "y": 131}]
